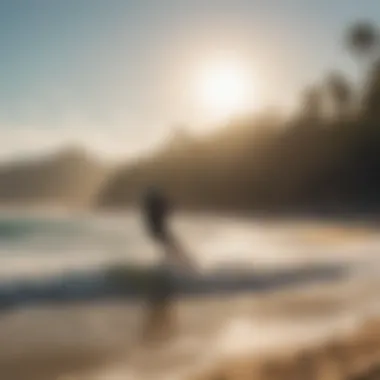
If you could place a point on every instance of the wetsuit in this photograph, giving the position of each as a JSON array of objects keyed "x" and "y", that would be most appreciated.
[{"x": 156, "y": 210}]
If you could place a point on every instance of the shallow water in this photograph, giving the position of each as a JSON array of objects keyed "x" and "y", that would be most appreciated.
[{"x": 209, "y": 329}]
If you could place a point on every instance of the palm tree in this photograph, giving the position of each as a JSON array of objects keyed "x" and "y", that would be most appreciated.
[
  {"x": 341, "y": 93},
  {"x": 371, "y": 99},
  {"x": 363, "y": 41},
  {"x": 312, "y": 104}
]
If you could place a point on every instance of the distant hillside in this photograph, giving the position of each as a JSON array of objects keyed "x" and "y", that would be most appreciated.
[
  {"x": 209, "y": 172},
  {"x": 70, "y": 177}
]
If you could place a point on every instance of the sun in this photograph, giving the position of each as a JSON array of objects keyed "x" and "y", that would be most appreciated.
[{"x": 225, "y": 90}]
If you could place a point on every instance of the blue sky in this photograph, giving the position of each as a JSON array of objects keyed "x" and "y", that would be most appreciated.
[{"x": 115, "y": 73}]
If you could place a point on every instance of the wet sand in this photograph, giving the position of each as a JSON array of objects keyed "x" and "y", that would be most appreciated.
[
  {"x": 355, "y": 356},
  {"x": 245, "y": 334}
]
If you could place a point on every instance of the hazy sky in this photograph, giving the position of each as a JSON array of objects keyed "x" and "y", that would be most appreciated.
[{"x": 118, "y": 73}]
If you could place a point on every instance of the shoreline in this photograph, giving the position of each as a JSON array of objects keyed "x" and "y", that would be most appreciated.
[
  {"x": 355, "y": 355},
  {"x": 98, "y": 338}
]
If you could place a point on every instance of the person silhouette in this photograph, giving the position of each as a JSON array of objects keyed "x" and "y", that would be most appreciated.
[
  {"x": 162, "y": 288},
  {"x": 156, "y": 210}
]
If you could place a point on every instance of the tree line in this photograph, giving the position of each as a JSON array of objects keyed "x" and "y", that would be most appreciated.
[{"x": 325, "y": 156}]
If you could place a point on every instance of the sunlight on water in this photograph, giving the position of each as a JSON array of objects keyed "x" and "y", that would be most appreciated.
[{"x": 37, "y": 247}]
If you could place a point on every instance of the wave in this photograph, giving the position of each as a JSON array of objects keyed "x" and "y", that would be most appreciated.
[
  {"x": 130, "y": 282},
  {"x": 20, "y": 228}
]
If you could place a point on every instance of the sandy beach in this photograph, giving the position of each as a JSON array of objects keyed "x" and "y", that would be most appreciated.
[
  {"x": 215, "y": 338},
  {"x": 354, "y": 356}
]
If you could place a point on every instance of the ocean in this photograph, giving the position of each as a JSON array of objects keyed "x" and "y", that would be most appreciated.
[
  {"x": 257, "y": 286},
  {"x": 35, "y": 245}
]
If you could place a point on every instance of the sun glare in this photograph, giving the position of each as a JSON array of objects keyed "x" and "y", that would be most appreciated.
[{"x": 225, "y": 90}]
